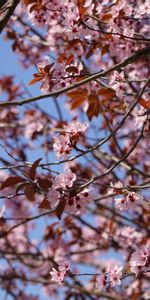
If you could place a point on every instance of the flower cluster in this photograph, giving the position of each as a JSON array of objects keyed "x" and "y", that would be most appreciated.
[
  {"x": 63, "y": 144},
  {"x": 74, "y": 204},
  {"x": 92, "y": 57},
  {"x": 140, "y": 260},
  {"x": 128, "y": 201},
  {"x": 64, "y": 180},
  {"x": 57, "y": 275},
  {"x": 113, "y": 277},
  {"x": 56, "y": 75}
]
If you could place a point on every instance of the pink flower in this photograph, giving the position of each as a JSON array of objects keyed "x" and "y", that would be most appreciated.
[
  {"x": 139, "y": 259},
  {"x": 128, "y": 201},
  {"x": 117, "y": 187},
  {"x": 76, "y": 127},
  {"x": 116, "y": 77},
  {"x": 64, "y": 180},
  {"x": 146, "y": 295},
  {"x": 78, "y": 204},
  {"x": 62, "y": 145},
  {"x": 33, "y": 128},
  {"x": 64, "y": 266},
  {"x": 139, "y": 117},
  {"x": 117, "y": 83},
  {"x": 100, "y": 281},
  {"x": 115, "y": 275},
  {"x": 58, "y": 275},
  {"x": 53, "y": 197}
]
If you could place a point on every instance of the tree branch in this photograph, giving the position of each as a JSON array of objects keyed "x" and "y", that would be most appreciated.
[
  {"x": 117, "y": 67},
  {"x": 6, "y": 10}
]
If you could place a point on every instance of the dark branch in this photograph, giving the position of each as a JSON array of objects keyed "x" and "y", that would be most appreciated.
[
  {"x": 6, "y": 10},
  {"x": 95, "y": 76}
]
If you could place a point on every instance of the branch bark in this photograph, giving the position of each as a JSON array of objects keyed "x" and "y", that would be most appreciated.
[
  {"x": 6, "y": 10},
  {"x": 95, "y": 76}
]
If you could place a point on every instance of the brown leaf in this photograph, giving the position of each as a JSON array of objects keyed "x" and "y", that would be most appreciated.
[
  {"x": 76, "y": 103},
  {"x": 21, "y": 186},
  {"x": 60, "y": 208},
  {"x": 11, "y": 181},
  {"x": 93, "y": 108},
  {"x": 106, "y": 17},
  {"x": 107, "y": 93},
  {"x": 11, "y": 35},
  {"x": 82, "y": 9},
  {"x": 27, "y": 2},
  {"x": 29, "y": 192},
  {"x": 50, "y": 232},
  {"x": 33, "y": 168},
  {"x": 78, "y": 93},
  {"x": 14, "y": 46},
  {"x": 144, "y": 103},
  {"x": 77, "y": 97},
  {"x": 72, "y": 69},
  {"x": 45, "y": 204},
  {"x": 34, "y": 80},
  {"x": 44, "y": 183},
  {"x": 105, "y": 49},
  {"x": 70, "y": 59}
]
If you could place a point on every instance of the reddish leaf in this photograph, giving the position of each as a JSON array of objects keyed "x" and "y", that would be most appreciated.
[
  {"x": 29, "y": 192},
  {"x": 21, "y": 186},
  {"x": 44, "y": 183},
  {"x": 50, "y": 232},
  {"x": 34, "y": 80},
  {"x": 72, "y": 69},
  {"x": 45, "y": 204},
  {"x": 29, "y": 1},
  {"x": 11, "y": 181},
  {"x": 78, "y": 93},
  {"x": 93, "y": 108},
  {"x": 77, "y": 97},
  {"x": 76, "y": 103},
  {"x": 105, "y": 49},
  {"x": 60, "y": 208},
  {"x": 35, "y": 7},
  {"x": 70, "y": 59},
  {"x": 33, "y": 168},
  {"x": 106, "y": 93},
  {"x": 144, "y": 103},
  {"x": 106, "y": 17},
  {"x": 14, "y": 46},
  {"x": 81, "y": 7},
  {"x": 11, "y": 35}
]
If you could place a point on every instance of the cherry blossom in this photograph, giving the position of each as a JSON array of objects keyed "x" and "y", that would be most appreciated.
[
  {"x": 76, "y": 127},
  {"x": 140, "y": 259},
  {"x": 78, "y": 204},
  {"x": 139, "y": 117},
  {"x": 128, "y": 201},
  {"x": 74, "y": 149},
  {"x": 58, "y": 275},
  {"x": 118, "y": 84},
  {"x": 115, "y": 275},
  {"x": 62, "y": 145},
  {"x": 53, "y": 197},
  {"x": 64, "y": 180},
  {"x": 100, "y": 281}
]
